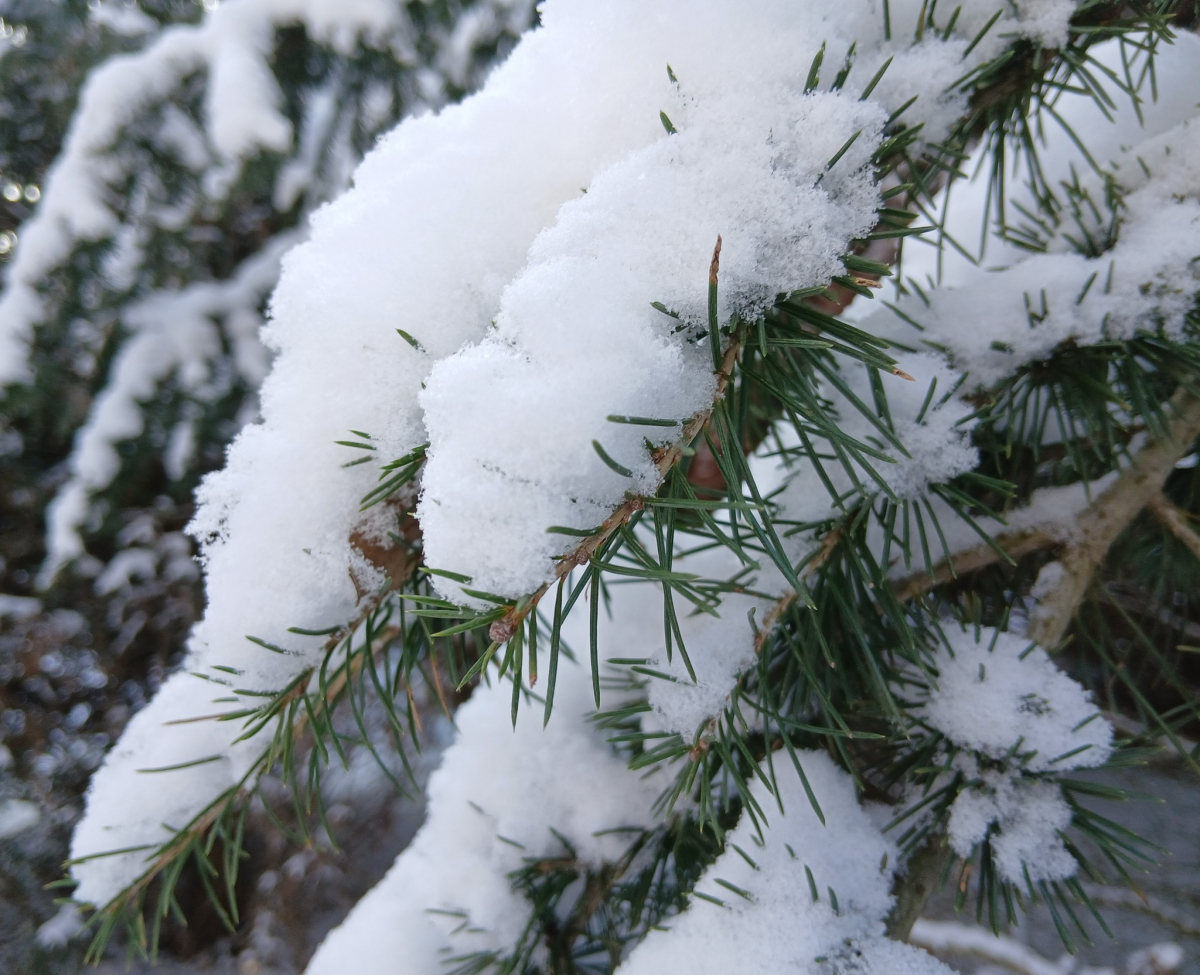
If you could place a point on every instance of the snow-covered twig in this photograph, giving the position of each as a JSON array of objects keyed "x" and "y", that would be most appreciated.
[{"x": 956, "y": 937}]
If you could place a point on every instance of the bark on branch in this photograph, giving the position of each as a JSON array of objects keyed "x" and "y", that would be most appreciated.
[{"x": 1097, "y": 527}]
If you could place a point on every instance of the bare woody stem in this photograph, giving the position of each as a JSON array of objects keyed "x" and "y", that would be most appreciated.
[
  {"x": 1176, "y": 521},
  {"x": 1098, "y": 526},
  {"x": 1015, "y": 544}
]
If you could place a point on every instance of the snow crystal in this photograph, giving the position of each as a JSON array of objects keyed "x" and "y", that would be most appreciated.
[
  {"x": 492, "y": 805},
  {"x": 779, "y": 925}
]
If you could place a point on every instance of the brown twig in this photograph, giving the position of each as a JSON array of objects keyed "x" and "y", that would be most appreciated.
[
  {"x": 1015, "y": 544},
  {"x": 829, "y": 545},
  {"x": 1098, "y": 526},
  {"x": 1175, "y": 520}
]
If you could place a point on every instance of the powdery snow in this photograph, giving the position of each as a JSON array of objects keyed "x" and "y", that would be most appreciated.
[
  {"x": 998, "y": 321},
  {"x": 1014, "y": 714},
  {"x": 779, "y": 926},
  {"x": 1029, "y": 703},
  {"x": 439, "y": 237},
  {"x": 1028, "y": 816},
  {"x": 512, "y": 420},
  {"x": 492, "y": 805}
]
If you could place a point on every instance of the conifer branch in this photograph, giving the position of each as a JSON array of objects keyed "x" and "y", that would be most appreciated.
[
  {"x": 1090, "y": 537},
  {"x": 665, "y": 459},
  {"x": 1098, "y": 526},
  {"x": 1014, "y": 544},
  {"x": 1176, "y": 521}
]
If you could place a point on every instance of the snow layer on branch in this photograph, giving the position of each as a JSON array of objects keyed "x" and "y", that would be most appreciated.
[
  {"x": 493, "y": 805},
  {"x": 779, "y": 926},
  {"x": 242, "y": 109},
  {"x": 441, "y": 219},
  {"x": 998, "y": 321},
  {"x": 512, "y": 420},
  {"x": 176, "y": 333},
  {"x": 1025, "y": 818}
]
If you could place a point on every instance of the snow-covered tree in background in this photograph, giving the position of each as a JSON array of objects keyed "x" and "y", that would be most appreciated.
[
  {"x": 156, "y": 158},
  {"x": 770, "y": 622},
  {"x": 155, "y": 162}
]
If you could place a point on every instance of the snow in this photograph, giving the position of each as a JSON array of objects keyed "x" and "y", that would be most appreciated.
[
  {"x": 954, "y": 936},
  {"x": 882, "y": 956},
  {"x": 18, "y": 607},
  {"x": 16, "y": 816},
  {"x": 482, "y": 179},
  {"x": 66, "y": 924},
  {"x": 174, "y": 334},
  {"x": 242, "y": 116},
  {"x": 779, "y": 926},
  {"x": 1038, "y": 721},
  {"x": 492, "y": 806},
  {"x": 1025, "y": 818},
  {"x": 478, "y": 215},
  {"x": 124, "y": 18},
  {"x": 1028, "y": 701},
  {"x": 1022, "y": 313},
  {"x": 512, "y": 420}
]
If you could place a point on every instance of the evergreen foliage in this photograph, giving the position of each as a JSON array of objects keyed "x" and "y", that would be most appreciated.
[{"x": 841, "y": 545}]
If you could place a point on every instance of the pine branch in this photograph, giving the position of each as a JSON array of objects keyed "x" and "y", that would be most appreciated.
[
  {"x": 1098, "y": 526},
  {"x": 1014, "y": 544},
  {"x": 665, "y": 459}
]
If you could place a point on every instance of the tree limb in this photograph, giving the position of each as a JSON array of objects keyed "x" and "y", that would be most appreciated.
[
  {"x": 1098, "y": 526},
  {"x": 1015, "y": 544},
  {"x": 925, "y": 870},
  {"x": 1176, "y": 521}
]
